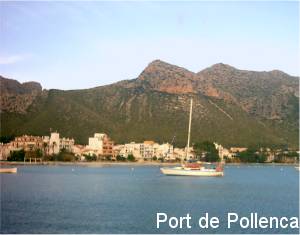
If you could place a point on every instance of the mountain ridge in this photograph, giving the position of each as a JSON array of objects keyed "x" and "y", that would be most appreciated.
[{"x": 232, "y": 106}]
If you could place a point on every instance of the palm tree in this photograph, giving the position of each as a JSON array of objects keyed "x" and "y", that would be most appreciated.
[
  {"x": 45, "y": 147},
  {"x": 53, "y": 146}
]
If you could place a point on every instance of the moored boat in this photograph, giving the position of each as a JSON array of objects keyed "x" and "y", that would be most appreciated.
[
  {"x": 182, "y": 171},
  {"x": 8, "y": 170},
  {"x": 192, "y": 169}
]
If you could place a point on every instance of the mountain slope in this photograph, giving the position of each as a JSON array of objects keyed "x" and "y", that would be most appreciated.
[{"x": 155, "y": 106}]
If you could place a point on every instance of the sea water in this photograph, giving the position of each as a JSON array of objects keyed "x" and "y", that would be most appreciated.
[{"x": 123, "y": 199}]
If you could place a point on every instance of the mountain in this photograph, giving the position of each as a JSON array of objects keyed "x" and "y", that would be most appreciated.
[
  {"x": 17, "y": 97},
  {"x": 231, "y": 106}
]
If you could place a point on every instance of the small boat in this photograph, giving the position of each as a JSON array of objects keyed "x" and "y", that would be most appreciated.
[
  {"x": 8, "y": 170},
  {"x": 192, "y": 169}
]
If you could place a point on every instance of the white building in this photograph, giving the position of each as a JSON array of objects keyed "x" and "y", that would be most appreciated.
[
  {"x": 181, "y": 153},
  {"x": 101, "y": 145},
  {"x": 147, "y": 150},
  {"x": 221, "y": 151},
  {"x": 54, "y": 143},
  {"x": 96, "y": 142},
  {"x": 131, "y": 148},
  {"x": 67, "y": 144},
  {"x": 165, "y": 151}
]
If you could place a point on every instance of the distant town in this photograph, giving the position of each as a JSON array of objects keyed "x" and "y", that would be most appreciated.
[{"x": 101, "y": 147}]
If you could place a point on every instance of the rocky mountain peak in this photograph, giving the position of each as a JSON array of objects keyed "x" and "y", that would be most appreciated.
[
  {"x": 219, "y": 68},
  {"x": 163, "y": 70},
  {"x": 17, "y": 97},
  {"x": 10, "y": 86},
  {"x": 162, "y": 76},
  {"x": 32, "y": 86}
]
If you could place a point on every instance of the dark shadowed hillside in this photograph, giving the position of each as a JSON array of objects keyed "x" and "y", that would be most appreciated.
[{"x": 232, "y": 107}]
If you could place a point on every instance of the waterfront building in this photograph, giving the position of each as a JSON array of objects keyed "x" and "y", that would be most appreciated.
[
  {"x": 5, "y": 150},
  {"x": 78, "y": 150},
  {"x": 55, "y": 144},
  {"x": 131, "y": 149},
  {"x": 179, "y": 153},
  {"x": 49, "y": 145},
  {"x": 223, "y": 152},
  {"x": 190, "y": 153},
  {"x": 67, "y": 144},
  {"x": 27, "y": 143},
  {"x": 151, "y": 149},
  {"x": 164, "y": 151},
  {"x": 118, "y": 149},
  {"x": 96, "y": 142},
  {"x": 101, "y": 145},
  {"x": 270, "y": 156},
  {"x": 235, "y": 150},
  {"x": 147, "y": 150}
]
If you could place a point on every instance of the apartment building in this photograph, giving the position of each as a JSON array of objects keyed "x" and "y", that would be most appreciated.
[
  {"x": 101, "y": 145},
  {"x": 146, "y": 150},
  {"x": 27, "y": 142}
]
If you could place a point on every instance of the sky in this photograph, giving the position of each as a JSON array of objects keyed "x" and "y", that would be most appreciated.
[{"x": 77, "y": 45}]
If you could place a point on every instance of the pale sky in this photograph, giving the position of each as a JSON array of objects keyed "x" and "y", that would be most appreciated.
[{"x": 76, "y": 45}]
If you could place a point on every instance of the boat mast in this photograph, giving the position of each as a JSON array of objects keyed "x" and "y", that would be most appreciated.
[{"x": 189, "y": 132}]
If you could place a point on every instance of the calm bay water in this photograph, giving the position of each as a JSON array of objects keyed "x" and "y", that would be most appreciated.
[{"x": 119, "y": 199}]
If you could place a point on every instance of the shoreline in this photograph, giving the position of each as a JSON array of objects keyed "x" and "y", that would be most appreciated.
[
  {"x": 107, "y": 164},
  {"x": 88, "y": 164}
]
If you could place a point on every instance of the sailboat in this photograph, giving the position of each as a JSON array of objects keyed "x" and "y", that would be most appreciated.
[{"x": 192, "y": 169}]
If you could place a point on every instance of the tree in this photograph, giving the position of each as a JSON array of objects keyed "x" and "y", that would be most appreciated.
[
  {"x": 207, "y": 149},
  {"x": 6, "y": 139},
  {"x": 130, "y": 158},
  {"x": 46, "y": 149},
  {"x": 38, "y": 153},
  {"x": 16, "y": 155},
  {"x": 90, "y": 158},
  {"x": 252, "y": 155},
  {"x": 293, "y": 154},
  {"x": 120, "y": 158},
  {"x": 30, "y": 154},
  {"x": 66, "y": 156},
  {"x": 53, "y": 146}
]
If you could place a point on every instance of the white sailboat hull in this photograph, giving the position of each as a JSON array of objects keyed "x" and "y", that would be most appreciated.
[
  {"x": 8, "y": 170},
  {"x": 187, "y": 172}
]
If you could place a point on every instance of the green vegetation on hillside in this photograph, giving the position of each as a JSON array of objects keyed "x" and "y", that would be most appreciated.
[{"x": 133, "y": 115}]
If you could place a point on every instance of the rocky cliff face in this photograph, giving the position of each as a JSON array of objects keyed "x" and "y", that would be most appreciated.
[
  {"x": 263, "y": 94},
  {"x": 17, "y": 97},
  {"x": 231, "y": 106},
  {"x": 164, "y": 77}
]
